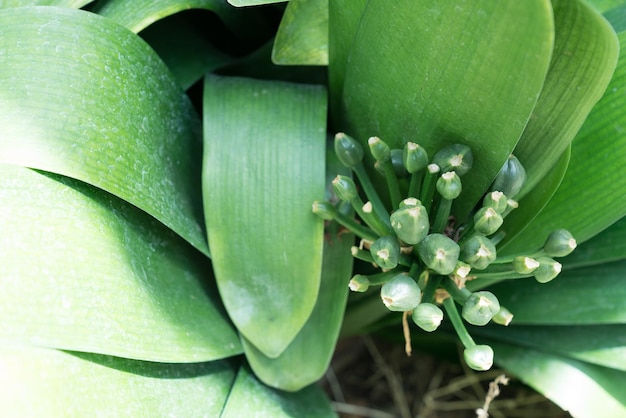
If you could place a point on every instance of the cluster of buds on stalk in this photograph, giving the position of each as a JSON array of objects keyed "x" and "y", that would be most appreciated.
[{"x": 425, "y": 255}]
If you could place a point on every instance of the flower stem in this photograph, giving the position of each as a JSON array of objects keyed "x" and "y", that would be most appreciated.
[
  {"x": 457, "y": 323},
  {"x": 370, "y": 192}
]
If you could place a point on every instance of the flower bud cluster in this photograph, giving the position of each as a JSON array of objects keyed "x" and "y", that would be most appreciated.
[{"x": 422, "y": 251}]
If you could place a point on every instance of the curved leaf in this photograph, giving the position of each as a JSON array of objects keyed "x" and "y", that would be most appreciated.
[
  {"x": 584, "y": 58},
  {"x": 83, "y": 270},
  {"x": 604, "y": 345},
  {"x": 591, "y": 295},
  {"x": 263, "y": 167},
  {"x": 448, "y": 73},
  {"x": 302, "y": 37},
  {"x": 74, "y": 4},
  {"x": 250, "y": 398},
  {"x": 592, "y": 195},
  {"x": 39, "y": 382},
  {"x": 617, "y": 16},
  {"x": 306, "y": 359},
  {"x": 85, "y": 98},
  {"x": 243, "y": 3},
  {"x": 138, "y": 14},
  {"x": 583, "y": 389},
  {"x": 187, "y": 53}
]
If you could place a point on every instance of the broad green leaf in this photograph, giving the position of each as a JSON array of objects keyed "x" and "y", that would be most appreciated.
[
  {"x": 363, "y": 312},
  {"x": 448, "y": 73},
  {"x": 590, "y": 295},
  {"x": 306, "y": 359},
  {"x": 302, "y": 38},
  {"x": 604, "y": 345},
  {"x": 251, "y": 398},
  {"x": 583, "y": 389},
  {"x": 84, "y": 97},
  {"x": 533, "y": 203},
  {"x": 243, "y": 3},
  {"x": 584, "y": 58},
  {"x": 74, "y": 4},
  {"x": 188, "y": 54},
  {"x": 592, "y": 195},
  {"x": 344, "y": 18},
  {"x": 83, "y": 270},
  {"x": 40, "y": 382},
  {"x": 263, "y": 167},
  {"x": 138, "y": 14},
  {"x": 609, "y": 245}
]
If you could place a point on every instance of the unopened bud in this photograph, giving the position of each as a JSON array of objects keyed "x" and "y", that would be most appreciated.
[
  {"x": 359, "y": 283},
  {"x": 480, "y": 307},
  {"x": 386, "y": 252},
  {"x": 525, "y": 265},
  {"x": 324, "y": 210},
  {"x": 548, "y": 269},
  {"x": 348, "y": 150},
  {"x": 559, "y": 243},
  {"x": 379, "y": 149},
  {"x": 487, "y": 221},
  {"x": 511, "y": 177},
  {"x": 456, "y": 157},
  {"x": 439, "y": 253},
  {"x": 414, "y": 157},
  {"x": 427, "y": 316},
  {"x": 449, "y": 185},
  {"x": 478, "y": 252},
  {"x": 344, "y": 188},
  {"x": 503, "y": 317},
  {"x": 479, "y": 357},
  {"x": 400, "y": 293},
  {"x": 410, "y": 223},
  {"x": 496, "y": 200}
]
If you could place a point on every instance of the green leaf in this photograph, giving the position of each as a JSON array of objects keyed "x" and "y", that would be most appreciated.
[
  {"x": 444, "y": 74},
  {"x": 40, "y": 382},
  {"x": 302, "y": 37},
  {"x": 74, "y": 4},
  {"x": 617, "y": 16},
  {"x": 307, "y": 357},
  {"x": 83, "y": 270},
  {"x": 605, "y": 5},
  {"x": 532, "y": 204},
  {"x": 243, "y": 3},
  {"x": 584, "y": 58},
  {"x": 138, "y": 14},
  {"x": 604, "y": 345},
  {"x": 263, "y": 167},
  {"x": 344, "y": 17},
  {"x": 187, "y": 53},
  {"x": 83, "y": 97},
  {"x": 591, "y": 295},
  {"x": 249, "y": 397},
  {"x": 592, "y": 195},
  {"x": 609, "y": 245},
  {"x": 583, "y": 389}
]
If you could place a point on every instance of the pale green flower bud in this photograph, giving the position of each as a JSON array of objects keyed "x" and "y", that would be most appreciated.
[
  {"x": 386, "y": 252},
  {"x": 478, "y": 252},
  {"x": 348, "y": 150},
  {"x": 401, "y": 293},
  {"x": 344, "y": 188},
  {"x": 480, "y": 307},
  {"x": 559, "y": 243},
  {"x": 414, "y": 157},
  {"x": 410, "y": 201},
  {"x": 427, "y": 316},
  {"x": 548, "y": 269},
  {"x": 456, "y": 157},
  {"x": 462, "y": 269},
  {"x": 379, "y": 149},
  {"x": 439, "y": 253},
  {"x": 359, "y": 283},
  {"x": 503, "y": 317},
  {"x": 449, "y": 185},
  {"x": 511, "y": 177},
  {"x": 410, "y": 223},
  {"x": 487, "y": 221},
  {"x": 496, "y": 200},
  {"x": 324, "y": 210},
  {"x": 525, "y": 265},
  {"x": 479, "y": 357}
]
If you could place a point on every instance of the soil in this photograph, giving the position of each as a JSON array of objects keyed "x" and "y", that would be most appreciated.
[{"x": 373, "y": 378}]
